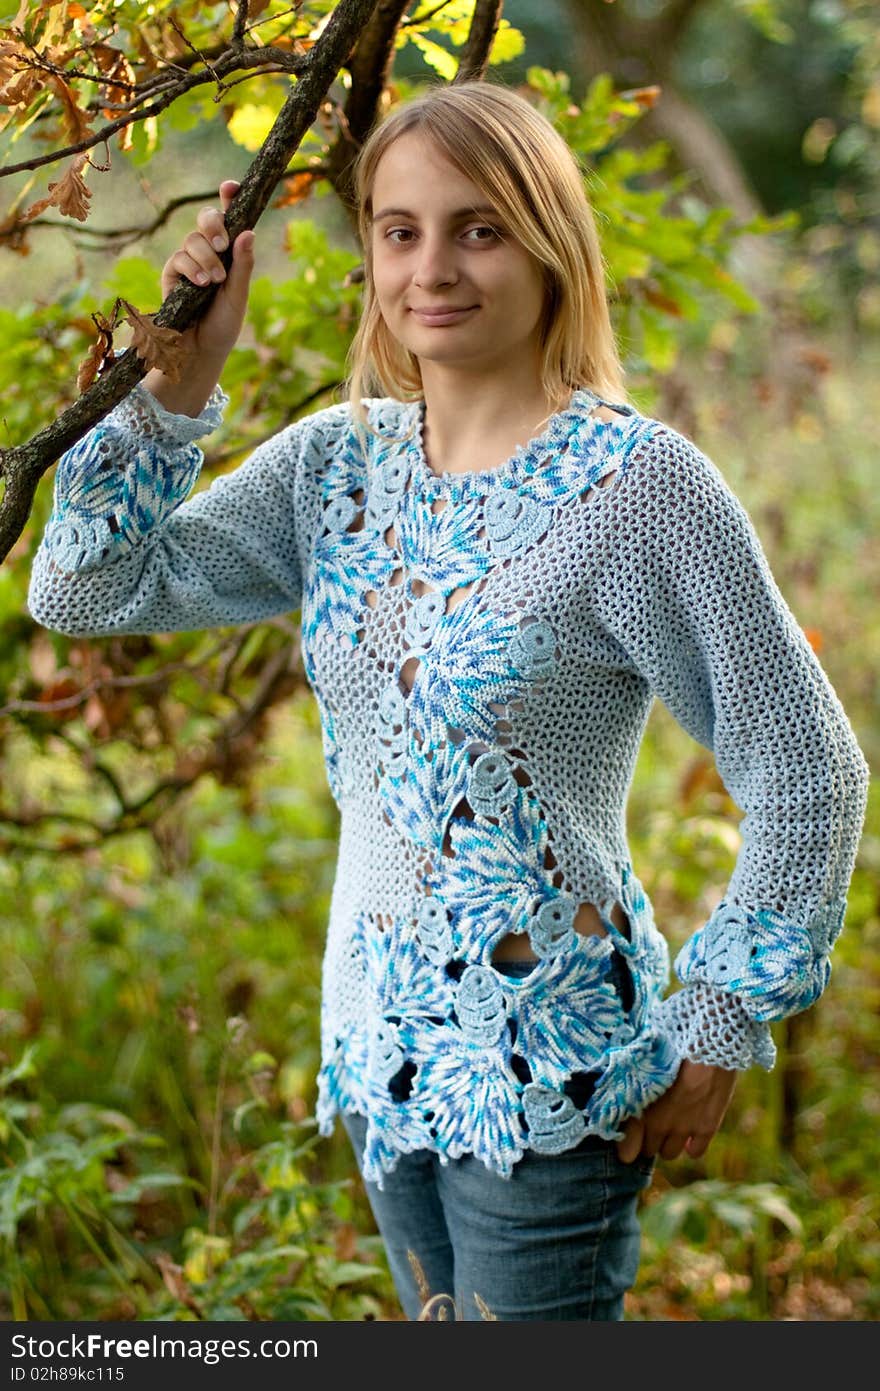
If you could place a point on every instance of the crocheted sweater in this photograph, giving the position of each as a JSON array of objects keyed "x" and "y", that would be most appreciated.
[{"x": 485, "y": 649}]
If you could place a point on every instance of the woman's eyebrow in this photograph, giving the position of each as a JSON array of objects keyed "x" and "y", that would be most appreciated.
[{"x": 459, "y": 212}]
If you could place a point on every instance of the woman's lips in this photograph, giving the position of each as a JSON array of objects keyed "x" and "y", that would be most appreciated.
[{"x": 445, "y": 316}]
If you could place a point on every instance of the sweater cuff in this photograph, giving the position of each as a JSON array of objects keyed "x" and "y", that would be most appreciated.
[
  {"x": 774, "y": 966},
  {"x": 711, "y": 1026},
  {"x": 142, "y": 413},
  {"x": 124, "y": 477}
]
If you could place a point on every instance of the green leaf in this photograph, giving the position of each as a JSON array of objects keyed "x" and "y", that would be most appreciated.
[
  {"x": 25, "y": 1067},
  {"x": 508, "y": 44},
  {"x": 146, "y": 139},
  {"x": 136, "y": 279},
  {"x": 440, "y": 59},
  {"x": 346, "y": 1272},
  {"x": 659, "y": 342},
  {"x": 250, "y": 124}
]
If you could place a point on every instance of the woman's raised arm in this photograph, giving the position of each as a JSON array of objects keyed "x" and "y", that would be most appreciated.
[{"x": 126, "y": 549}]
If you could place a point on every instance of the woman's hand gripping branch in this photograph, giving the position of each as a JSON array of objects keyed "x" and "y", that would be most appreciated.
[{"x": 212, "y": 339}]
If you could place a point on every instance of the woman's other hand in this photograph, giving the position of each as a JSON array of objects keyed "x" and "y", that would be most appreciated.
[{"x": 684, "y": 1118}]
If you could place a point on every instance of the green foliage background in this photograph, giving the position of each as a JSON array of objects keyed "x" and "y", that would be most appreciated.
[{"x": 159, "y": 997}]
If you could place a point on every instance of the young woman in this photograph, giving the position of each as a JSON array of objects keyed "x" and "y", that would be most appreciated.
[{"x": 499, "y": 564}]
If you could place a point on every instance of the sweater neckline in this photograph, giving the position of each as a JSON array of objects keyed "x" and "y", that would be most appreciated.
[{"x": 516, "y": 469}]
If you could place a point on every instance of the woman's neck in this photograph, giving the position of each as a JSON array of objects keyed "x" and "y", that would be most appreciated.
[{"x": 465, "y": 416}]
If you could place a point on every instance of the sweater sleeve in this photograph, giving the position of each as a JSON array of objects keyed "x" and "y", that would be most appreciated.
[
  {"x": 684, "y": 587},
  {"x": 126, "y": 550}
]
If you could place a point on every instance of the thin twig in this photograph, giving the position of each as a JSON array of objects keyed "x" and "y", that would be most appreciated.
[
  {"x": 254, "y": 57},
  {"x": 239, "y": 28},
  {"x": 191, "y": 46},
  {"x": 318, "y": 171}
]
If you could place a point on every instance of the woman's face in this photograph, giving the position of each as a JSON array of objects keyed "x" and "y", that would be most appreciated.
[{"x": 438, "y": 245}]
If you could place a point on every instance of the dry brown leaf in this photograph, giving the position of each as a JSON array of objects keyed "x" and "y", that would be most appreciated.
[
  {"x": 120, "y": 74},
  {"x": 76, "y": 122},
  {"x": 149, "y": 60},
  {"x": 19, "y": 80},
  {"x": 295, "y": 189},
  {"x": 661, "y": 301},
  {"x": 69, "y": 195},
  {"x": 10, "y": 56},
  {"x": 645, "y": 97},
  {"x": 117, "y": 70},
  {"x": 99, "y": 357},
  {"x": 13, "y": 235},
  {"x": 158, "y": 347},
  {"x": 345, "y": 1242}
]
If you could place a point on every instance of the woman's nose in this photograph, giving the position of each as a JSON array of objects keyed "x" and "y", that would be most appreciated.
[{"x": 435, "y": 264}]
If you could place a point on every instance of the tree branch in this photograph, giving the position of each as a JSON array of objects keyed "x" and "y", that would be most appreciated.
[
  {"x": 249, "y": 58},
  {"x": 369, "y": 68},
  {"x": 475, "y": 54},
  {"x": 23, "y": 466},
  {"x": 125, "y": 235},
  {"x": 233, "y": 736},
  {"x": 239, "y": 28}
]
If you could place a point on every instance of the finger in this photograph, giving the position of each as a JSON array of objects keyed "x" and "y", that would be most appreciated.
[
  {"x": 186, "y": 267},
  {"x": 228, "y": 190},
  {"x": 240, "y": 269},
  {"x": 630, "y": 1146},
  {"x": 212, "y": 227},
  {"x": 655, "y": 1136},
  {"x": 673, "y": 1145},
  {"x": 200, "y": 250},
  {"x": 698, "y": 1144}
]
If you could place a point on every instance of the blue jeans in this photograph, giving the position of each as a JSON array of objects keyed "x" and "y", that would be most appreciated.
[{"x": 559, "y": 1239}]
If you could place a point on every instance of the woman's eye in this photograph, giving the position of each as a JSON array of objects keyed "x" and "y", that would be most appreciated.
[{"x": 493, "y": 231}]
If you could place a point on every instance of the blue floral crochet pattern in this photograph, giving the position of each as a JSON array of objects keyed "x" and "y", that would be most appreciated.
[{"x": 484, "y": 649}]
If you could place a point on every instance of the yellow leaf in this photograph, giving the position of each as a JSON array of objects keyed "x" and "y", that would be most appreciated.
[
  {"x": 508, "y": 43},
  {"x": 250, "y": 125}
]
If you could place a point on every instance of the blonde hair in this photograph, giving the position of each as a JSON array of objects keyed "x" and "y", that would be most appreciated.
[{"x": 499, "y": 141}]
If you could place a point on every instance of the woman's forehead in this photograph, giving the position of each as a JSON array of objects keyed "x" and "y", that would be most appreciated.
[{"x": 411, "y": 163}]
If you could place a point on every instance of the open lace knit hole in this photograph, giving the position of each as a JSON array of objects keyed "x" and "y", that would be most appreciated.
[
  {"x": 371, "y": 598},
  {"x": 588, "y": 921},
  {"x": 407, "y": 674},
  {"x": 607, "y": 480},
  {"x": 458, "y": 596},
  {"x": 514, "y": 946},
  {"x": 391, "y": 539},
  {"x": 396, "y": 577},
  {"x": 603, "y": 413},
  {"x": 621, "y": 978}
]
